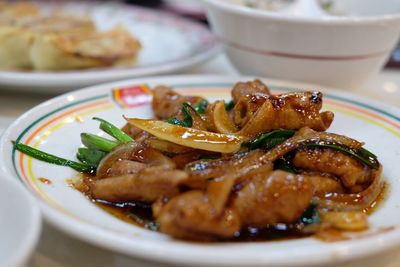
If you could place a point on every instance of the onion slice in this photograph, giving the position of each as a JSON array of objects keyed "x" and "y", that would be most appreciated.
[
  {"x": 356, "y": 201},
  {"x": 222, "y": 122},
  {"x": 121, "y": 152},
  {"x": 216, "y": 142},
  {"x": 309, "y": 138},
  {"x": 166, "y": 146}
]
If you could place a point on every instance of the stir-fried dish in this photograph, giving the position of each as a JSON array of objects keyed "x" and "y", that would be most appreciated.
[{"x": 256, "y": 166}]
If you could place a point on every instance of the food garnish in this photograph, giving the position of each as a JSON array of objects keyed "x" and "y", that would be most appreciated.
[{"x": 46, "y": 157}]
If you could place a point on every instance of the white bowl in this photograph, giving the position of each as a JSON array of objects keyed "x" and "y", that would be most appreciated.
[
  {"x": 20, "y": 223},
  {"x": 336, "y": 51}
]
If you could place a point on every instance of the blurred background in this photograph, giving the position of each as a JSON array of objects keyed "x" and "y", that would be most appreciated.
[{"x": 193, "y": 9}]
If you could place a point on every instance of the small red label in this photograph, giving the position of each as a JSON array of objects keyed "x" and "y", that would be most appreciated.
[{"x": 132, "y": 96}]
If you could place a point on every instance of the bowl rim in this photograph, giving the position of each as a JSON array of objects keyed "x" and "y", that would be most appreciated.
[
  {"x": 331, "y": 20},
  {"x": 33, "y": 222}
]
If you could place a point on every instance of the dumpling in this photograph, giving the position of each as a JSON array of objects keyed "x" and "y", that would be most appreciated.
[
  {"x": 55, "y": 51},
  {"x": 15, "y": 39},
  {"x": 15, "y": 43},
  {"x": 59, "y": 41},
  {"x": 62, "y": 23}
]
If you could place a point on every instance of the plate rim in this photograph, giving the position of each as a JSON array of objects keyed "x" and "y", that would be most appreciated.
[{"x": 148, "y": 252}]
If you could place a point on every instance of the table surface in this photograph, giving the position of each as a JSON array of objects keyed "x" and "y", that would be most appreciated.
[{"x": 56, "y": 249}]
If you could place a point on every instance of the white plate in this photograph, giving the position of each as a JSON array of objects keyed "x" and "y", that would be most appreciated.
[
  {"x": 20, "y": 223},
  {"x": 170, "y": 43},
  {"x": 54, "y": 126}
]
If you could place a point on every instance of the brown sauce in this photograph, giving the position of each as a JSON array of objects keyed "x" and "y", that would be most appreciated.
[
  {"x": 137, "y": 213},
  {"x": 45, "y": 181},
  {"x": 378, "y": 201},
  {"x": 140, "y": 214}
]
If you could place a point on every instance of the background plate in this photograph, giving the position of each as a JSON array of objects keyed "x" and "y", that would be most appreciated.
[{"x": 170, "y": 43}]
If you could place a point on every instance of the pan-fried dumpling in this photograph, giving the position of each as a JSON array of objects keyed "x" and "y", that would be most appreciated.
[
  {"x": 18, "y": 36},
  {"x": 15, "y": 39},
  {"x": 55, "y": 51},
  {"x": 15, "y": 43},
  {"x": 59, "y": 41},
  {"x": 63, "y": 24}
]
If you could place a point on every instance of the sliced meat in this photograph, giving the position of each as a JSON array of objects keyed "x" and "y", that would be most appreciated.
[
  {"x": 167, "y": 103},
  {"x": 132, "y": 152},
  {"x": 132, "y": 130},
  {"x": 151, "y": 157},
  {"x": 248, "y": 98},
  {"x": 255, "y": 88},
  {"x": 122, "y": 167},
  {"x": 245, "y": 108},
  {"x": 181, "y": 160},
  {"x": 190, "y": 216},
  {"x": 279, "y": 197},
  {"x": 146, "y": 185},
  {"x": 122, "y": 152},
  {"x": 324, "y": 184},
  {"x": 288, "y": 111},
  {"x": 205, "y": 169},
  {"x": 349, "y": 170}
]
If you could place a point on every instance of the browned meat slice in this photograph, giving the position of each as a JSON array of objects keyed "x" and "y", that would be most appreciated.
[
  {"x": 324, "y": 184},
  {"x": 289, "y": 111},
  {"x": 122, "y": 167},
  {"x": 279, "y": 197},
  {"x": 255, "y": 88},
  {"x": 146, "y": 185},
  {"x": 248, "y": 98},
  {"x": 132, "y": 130},
  {"x": 167, "y": 103},
  {"x": 131, "y": 152},
  {"x": 190, "y": 216},
  {"x": 349, "y": 170},
  {"x": 206, "y": 169},
  {"x": 245, "y": 108},
  {"x": 181, "y": 160}
]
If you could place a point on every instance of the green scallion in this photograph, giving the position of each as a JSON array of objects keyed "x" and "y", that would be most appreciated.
[
  {"x": 46, "y": 157},
  {"x": 98, "y": 143},
  {"x": 114, "y": 131}
]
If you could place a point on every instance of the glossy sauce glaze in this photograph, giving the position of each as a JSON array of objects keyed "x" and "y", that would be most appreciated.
[
  {"x": 140, "y": 214},
  {"x": 45, "y": 180}
]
